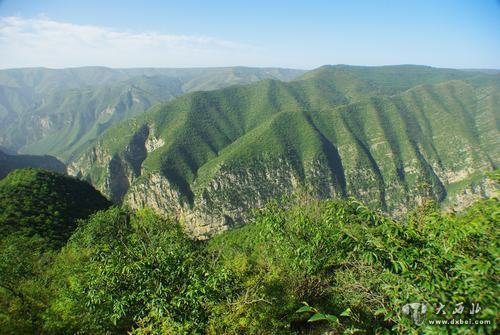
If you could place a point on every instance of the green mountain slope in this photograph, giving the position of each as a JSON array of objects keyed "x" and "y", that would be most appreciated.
[
  {"x": 36, "y": 201},
  {"x": 60, "y": 112},
  {"x": 12, "y": 162},
  {"x": 390, "y": 136}
]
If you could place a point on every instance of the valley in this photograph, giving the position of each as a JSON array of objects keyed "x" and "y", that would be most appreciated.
[
  {"x": 318, "y": 204},
  {"x": 61, "y": 111},
  {"x": 389, "y": 136}
]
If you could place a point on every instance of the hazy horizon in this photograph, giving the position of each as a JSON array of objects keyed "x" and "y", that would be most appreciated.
[{"x": 240, "y": 66}]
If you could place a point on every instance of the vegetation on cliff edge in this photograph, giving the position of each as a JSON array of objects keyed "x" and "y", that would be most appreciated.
[{"x": 337, "y": 262}]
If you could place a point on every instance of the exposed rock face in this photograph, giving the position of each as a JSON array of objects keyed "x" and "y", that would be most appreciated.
[
  {"x": 209, "y": 158},
  {"x": 228, "y": 198},
  {"x": 484, "y": 188},
  {"x": 153, "y": 143},
  {"x": 156, "y": 192}
]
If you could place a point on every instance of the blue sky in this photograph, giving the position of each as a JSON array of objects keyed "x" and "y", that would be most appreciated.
[{"x": 298, "y": 34}]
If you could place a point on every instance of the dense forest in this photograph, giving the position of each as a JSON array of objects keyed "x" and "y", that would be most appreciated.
[{"x": 300, "y": 266}]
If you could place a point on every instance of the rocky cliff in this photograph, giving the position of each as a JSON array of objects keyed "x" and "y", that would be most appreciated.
[{"x": 210, "y": 158}]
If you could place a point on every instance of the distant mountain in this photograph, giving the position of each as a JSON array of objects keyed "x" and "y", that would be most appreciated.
[
  {"x": 60, "y": 112},
  {"x": 12, "y": 162},
  {"x": 48, "y": 204},
  {"x": 488, "y": 71},
  {"x": 7, "y": 151},
  {"x": 391, "y": 136}
]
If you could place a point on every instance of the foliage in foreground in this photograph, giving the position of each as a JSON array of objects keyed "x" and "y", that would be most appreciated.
[
  {"x": 336, "y": 262},
  {"x": 39, "y": 202}
]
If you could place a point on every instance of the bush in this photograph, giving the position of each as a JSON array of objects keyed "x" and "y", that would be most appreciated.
[{"x": 305, "y": 267}]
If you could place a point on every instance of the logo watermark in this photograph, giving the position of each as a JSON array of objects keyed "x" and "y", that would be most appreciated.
[
  {"x": 418, "y": 311},
  {"x": 458, "y": 322}
]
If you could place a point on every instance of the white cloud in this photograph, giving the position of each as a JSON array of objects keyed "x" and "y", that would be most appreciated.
[{"x": 41, "y": 41}]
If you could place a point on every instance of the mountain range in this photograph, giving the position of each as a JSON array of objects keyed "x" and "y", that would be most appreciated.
[
  {"x": 340, "y": 178},
  {"x": 391, "y": 136},
  {"x": 61, "y": 111}
]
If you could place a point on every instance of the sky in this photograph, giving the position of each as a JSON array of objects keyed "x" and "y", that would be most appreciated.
[{"x": 294, "y": 34}]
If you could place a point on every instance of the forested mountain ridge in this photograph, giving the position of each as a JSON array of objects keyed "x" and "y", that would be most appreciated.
[
  {"x": 390, "y": 136},
  {"x": 11, "y": 162},
  {"x": 46, "y": 204},
  {"x": 59, "y": 112}
]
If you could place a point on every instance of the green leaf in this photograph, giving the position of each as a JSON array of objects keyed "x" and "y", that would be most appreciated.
[
  {"x": 304, "y": 309},
  {"x": 347, "y": 312},
  {"x": 317, "y": 317},
  {"x": 332, "y": 319}
]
